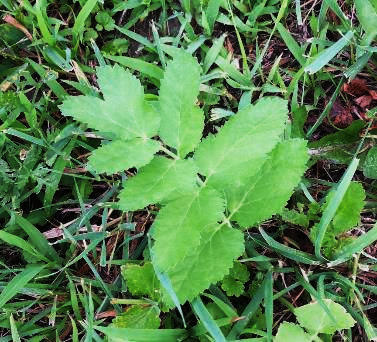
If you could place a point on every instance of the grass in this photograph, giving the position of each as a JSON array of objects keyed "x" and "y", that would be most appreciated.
[{"x": 64, "y": 244}]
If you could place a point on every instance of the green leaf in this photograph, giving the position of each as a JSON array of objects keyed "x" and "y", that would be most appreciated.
[
  {"x": 142, "y": 280},
  {"x": 138, "y": 317},
  {"x": 344, "y": 218},
  {"x": 143, "y": 335},
  {"x": 239, "y": 271},
  {"x": 328, "y": 54},
  {"x": 291, "y": 332},
  {"x": 121, "y": 155},
  {"x": 356, "y": 246},
  {"x": 333, "y": 205},
  {"x": 182, "y": 221},
  {"x": 367, "y": 15},
  {"x": 21, "y": 243},
  {"x": 181, "y": 121},
  {"x": 370, "y": 165},
  {"x": 233, "y": 284},
  {"x": 18, "y": 282},
  {"x": 232, "y": 287},
  {"x": 162, "y": 179},
  {"x": 123, "y": 111},
  {"x": 207, "y": 262},
  {"x": 267, "y": 192},
  {"x": 295, "y": 217},
  {"x": 146, "y": 68},
  {"x": 207, "y": 320},
  {"x": 323, "y": 323},
  {"x": 79, "y": 25},
  {"x": 37, "y": 239},
  {"x": 238, "y": 150}
]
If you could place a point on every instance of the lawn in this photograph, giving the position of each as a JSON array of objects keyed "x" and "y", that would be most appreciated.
[{"x": 194, "y": 170}]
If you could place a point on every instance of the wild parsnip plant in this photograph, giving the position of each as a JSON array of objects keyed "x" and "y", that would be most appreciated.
[
  {"x": 210, "y": 189},
  {"x": 217, "y": 183}
]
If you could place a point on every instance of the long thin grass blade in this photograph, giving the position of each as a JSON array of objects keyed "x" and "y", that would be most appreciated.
[
  {"x": 333, "y": 206},
  {"x": 207, "y": 320},
  {"x": 328, "y": 54}
]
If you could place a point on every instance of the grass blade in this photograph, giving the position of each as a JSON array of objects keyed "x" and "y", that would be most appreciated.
[
  {"x": 50, "y": 81},
  {"x": 38, "y": 239},
  {"x": 18, "y": 282},
  {"x": 328, "y": 54},
  {"x": 40, "y": 8},
  {"x": 14, "y": 331},
  {"x": 213, "y": 52},
  {"x": 333, "y": 206},
  {"x": 269, "y": 305},
  {"x": 78, "y": 27},
  {"x": 289, "y": 252},
  {"x": 356, "y": 246},
  {"x": 98, "y": 54},
  {"x": 292, "y": 45},
  {"x": 146, "y": 68},
  {"x": 212, "y": 12},
  {"x": 327, "y": 109},
  {"x": 20, "y": 243},
  {"x": 157, "y": 40},
  {"x": 207, "y": 320},
  {"x": 248, "y": 313},
  {"x": 333, "y": 4}
]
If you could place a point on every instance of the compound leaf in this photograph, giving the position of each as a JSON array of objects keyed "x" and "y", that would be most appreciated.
[
  {"x": 162, "y": 179},
  {"x": 182, "y": 222},
  {"x": 181, "y": 121},
  {"x": 239, "y": 149},
  {"x": 121, "y": 155},
  {"x": 123, "y": 111},
  {"x": 323, "y": 323},
  {"x": 267, "y": 192}
]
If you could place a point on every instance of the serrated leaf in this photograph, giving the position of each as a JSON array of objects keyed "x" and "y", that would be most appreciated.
[
  {"x": 323, "y": 323},
  {"x": 241, "y": 146},
  {"x": 182, "y": 221},
  {"x": 292, "y": 332},
  {"x": 138, "y": 317},
  {"x": 239, "y": 271},
  {"x": 208, "y": 262},
  {"x": 232, "y": 287},
  {"x": 295, "y": 217},
  {"x": 141, "y": 280},
  {"x": 162, "y": 179},
  {"x": 267, "y": 192},
  {"x": 121, "y": 155},
  {"x": 181, "y": 121},
  {"x": 123, "y": 111},
  {"x": 344, "y": 218}
]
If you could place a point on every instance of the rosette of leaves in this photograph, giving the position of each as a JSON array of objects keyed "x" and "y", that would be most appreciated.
[{"x": 241, "y": 176}]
